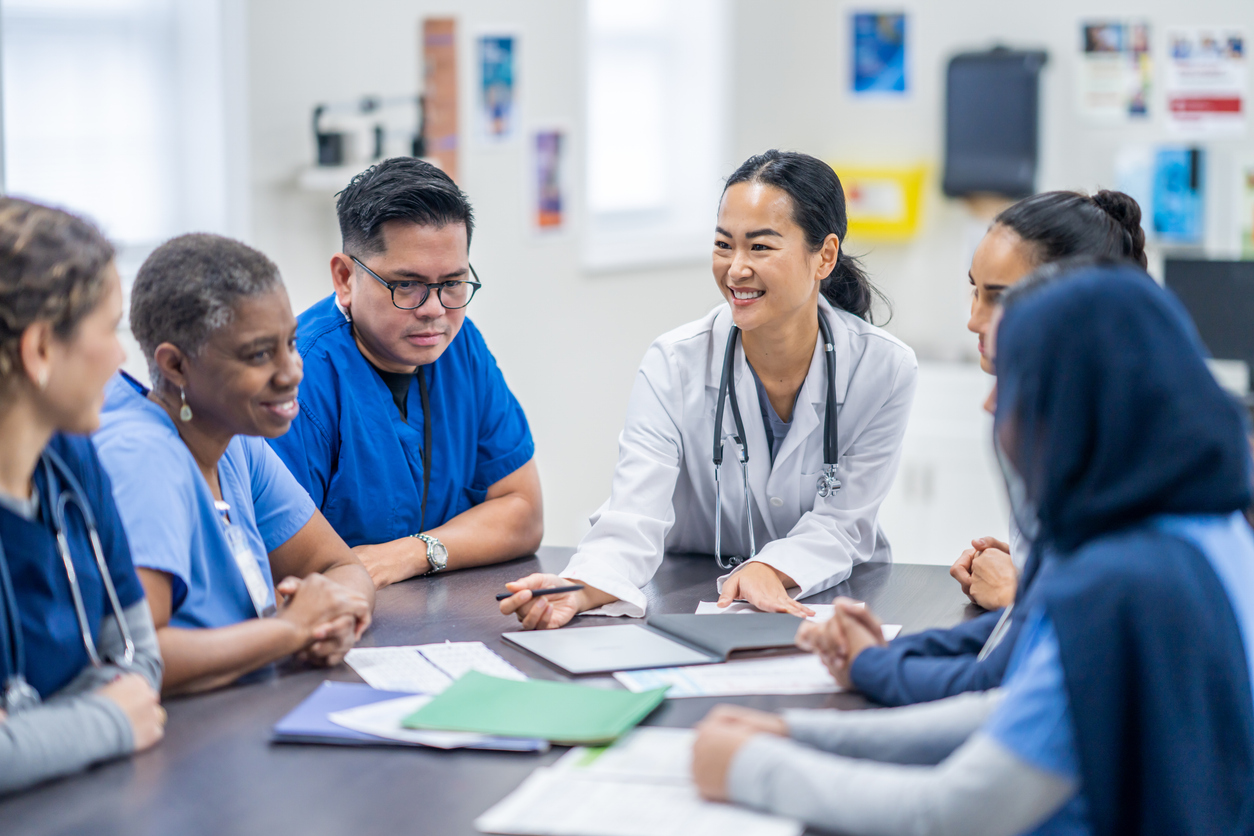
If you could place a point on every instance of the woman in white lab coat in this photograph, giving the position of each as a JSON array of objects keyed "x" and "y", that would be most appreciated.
[{"x": 779, "y": 265}]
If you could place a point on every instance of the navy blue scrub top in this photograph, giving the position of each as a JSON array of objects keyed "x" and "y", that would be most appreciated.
[
  {"x": 53, "y": 644},
  {"x": 362, "y": 463}
]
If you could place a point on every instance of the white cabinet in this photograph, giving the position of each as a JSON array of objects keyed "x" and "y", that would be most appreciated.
[{"x": 949, "y": 488}]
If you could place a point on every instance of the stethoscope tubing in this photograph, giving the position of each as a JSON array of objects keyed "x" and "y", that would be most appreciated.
[
  {"x": 827, "y": 483},
  {"x": 59, "y": 502}
]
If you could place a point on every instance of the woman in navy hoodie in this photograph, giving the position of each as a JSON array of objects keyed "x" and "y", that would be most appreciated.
[{"x": 1127, "y": 705}]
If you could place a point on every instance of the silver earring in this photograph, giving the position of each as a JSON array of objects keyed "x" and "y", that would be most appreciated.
[
  {"x": 43, "y": 379},
  {"x": 185, "y": 414}
]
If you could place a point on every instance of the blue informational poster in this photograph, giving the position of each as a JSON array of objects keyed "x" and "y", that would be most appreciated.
[
  {"x": 879, "y": 53},
  {"x": 1178, "y": 195},
  {"x": 497, "y": 94}
]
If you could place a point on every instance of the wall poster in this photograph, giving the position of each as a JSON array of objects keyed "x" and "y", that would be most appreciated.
[
  {"x": 498, "y": 93},
  {"x": 1206, "y": 80},
  {"x": 1116, "y": 73},
  {"x": 879, "y": 53}
]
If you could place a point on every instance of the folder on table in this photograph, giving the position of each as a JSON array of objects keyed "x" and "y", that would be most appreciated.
[
  {"x": 669, "y": 641},
  {"x": 308, "y": 723},
  {"x": 560, "y": 712}
]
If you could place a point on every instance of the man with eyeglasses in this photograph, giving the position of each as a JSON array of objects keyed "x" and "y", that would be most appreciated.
[{"x": 408, "y": 438}]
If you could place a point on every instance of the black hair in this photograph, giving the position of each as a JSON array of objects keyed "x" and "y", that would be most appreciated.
[
  {"x": 400, "y": 188},
  {"x": 188, "y": 288},
  {"x": 818, "y": 207},
  {"x": 1061, "y": 224},
  {"x": 52, "y": 268}
]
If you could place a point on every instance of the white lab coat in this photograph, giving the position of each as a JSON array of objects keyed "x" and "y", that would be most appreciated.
[{"x": 662, "y": 497}]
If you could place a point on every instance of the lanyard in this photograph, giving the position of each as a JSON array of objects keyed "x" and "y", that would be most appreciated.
[{"x": 426, "y": 447}]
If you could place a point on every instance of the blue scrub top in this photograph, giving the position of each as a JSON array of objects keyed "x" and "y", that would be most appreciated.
[
  {"x": 170, "y": 515},
  {"x": 54, "y": 647},
  {"x": 362, "y": 463},
  {"x": 1034, "y": 720}
]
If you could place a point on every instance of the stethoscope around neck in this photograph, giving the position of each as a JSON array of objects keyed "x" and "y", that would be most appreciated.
[
  {"x": 827, "y": 484},
  {"x": 18, "y": 693}
]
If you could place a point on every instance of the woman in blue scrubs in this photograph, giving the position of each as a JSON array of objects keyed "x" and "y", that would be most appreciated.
[
  {"x": 1128, "y": 706},
  {"x": 213, "y": 515},
  {"x": 79, "y": 685}
]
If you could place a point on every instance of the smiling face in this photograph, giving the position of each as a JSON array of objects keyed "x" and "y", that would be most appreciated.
[
  {"x": 244, "y": 380},
  {"x": 1001, "y": 259},
  {"x": 762, "y": 264},
  {"x": 397, "y": 340},
  {"x": 79, "y": 367}
]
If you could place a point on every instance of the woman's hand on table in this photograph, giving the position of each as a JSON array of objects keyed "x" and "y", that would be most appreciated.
[
  {"x": 839, "y": 640},
  {"x": 141, "y": 705},
  {"x": 986, "y": 573},
  {"x": 719, "y": 737},
  {"x": 548, "y": 612},
  {"x": 328, "y": 616},
  {"x": 763, "y": 587}
]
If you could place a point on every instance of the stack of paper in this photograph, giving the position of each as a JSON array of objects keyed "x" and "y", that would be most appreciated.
[
  {"x": 560, "y": 712},
  {"x": 797, "y": 674},
  {"x": 426, "y": 668},
  {"x": 641, "y": 786}
]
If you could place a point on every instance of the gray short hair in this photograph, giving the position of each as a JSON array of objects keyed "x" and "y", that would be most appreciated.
[{"x": 188, "y": 288}]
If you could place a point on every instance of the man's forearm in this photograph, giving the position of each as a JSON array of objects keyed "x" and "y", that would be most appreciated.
[{"x": 499, "y": 529}]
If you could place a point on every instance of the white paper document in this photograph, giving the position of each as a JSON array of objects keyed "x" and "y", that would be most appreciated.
[
  {"x": 640, "y": 786},
  {"x": 426, "y": 668},
  {"x": 647, "y": 753},
  {"x": 801, "y": 674},
  {"x": 822, "y": 612},
  {"x": 383, "y": 719}
]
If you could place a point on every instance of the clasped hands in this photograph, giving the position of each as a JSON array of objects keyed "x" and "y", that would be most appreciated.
[
  {"x": 328, "y": 616},
  {"x": 986, "y": 573}
]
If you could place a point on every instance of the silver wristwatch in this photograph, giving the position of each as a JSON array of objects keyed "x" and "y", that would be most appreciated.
[{"x": 437, "y": 554}]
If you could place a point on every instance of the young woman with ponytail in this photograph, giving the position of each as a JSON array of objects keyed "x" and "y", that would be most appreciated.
[
  {"x": 779, "y": 263},
  {"x": 1034, "y": 240}
]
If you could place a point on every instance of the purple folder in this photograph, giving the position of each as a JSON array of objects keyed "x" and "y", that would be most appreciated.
[{"x": 308, "y": 723}]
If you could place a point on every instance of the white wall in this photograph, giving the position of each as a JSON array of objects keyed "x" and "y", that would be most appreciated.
[{"x": 568, "y": 341}]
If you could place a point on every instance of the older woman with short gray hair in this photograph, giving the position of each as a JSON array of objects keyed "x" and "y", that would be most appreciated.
[{"x": 212, "y": 514}]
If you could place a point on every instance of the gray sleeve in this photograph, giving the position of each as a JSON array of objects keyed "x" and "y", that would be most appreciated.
[
  {"x": 61, "y": 736},
  {"x": 918, "y": 734},
  {"x": 982, "y": 789},
  {"x": 75, "y": 727},
  {"x": 147, "y": 661}
]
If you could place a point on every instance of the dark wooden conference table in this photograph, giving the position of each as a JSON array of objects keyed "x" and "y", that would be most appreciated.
[{"x": 217, "y": 773}]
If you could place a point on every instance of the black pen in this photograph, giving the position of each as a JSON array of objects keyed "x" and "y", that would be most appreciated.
[{"x": 551, "y": 591}]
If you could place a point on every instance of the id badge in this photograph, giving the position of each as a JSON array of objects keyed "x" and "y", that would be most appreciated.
[{"x": 246, "y": 561}]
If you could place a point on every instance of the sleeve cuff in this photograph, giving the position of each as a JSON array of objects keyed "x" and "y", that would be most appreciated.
[
  {"x": 750, "y": 773},
  {"x": 631, "y": 602}
]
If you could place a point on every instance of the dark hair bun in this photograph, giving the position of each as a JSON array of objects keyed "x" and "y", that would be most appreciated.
[{"x": 1127, "y": 213}]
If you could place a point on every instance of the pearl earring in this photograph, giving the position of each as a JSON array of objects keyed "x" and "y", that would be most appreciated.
[
  {"x": 185, "y": 414},
  {"x": 43, "y": 379}
]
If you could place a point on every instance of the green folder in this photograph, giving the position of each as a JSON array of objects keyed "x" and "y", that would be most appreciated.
[{"x": 557, "y": 711}]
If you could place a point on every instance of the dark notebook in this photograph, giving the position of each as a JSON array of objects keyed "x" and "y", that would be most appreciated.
[{"x": 667, "y": 641}]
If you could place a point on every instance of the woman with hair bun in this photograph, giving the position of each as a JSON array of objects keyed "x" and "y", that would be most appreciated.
[
  {"x": 1038, "y": 234},
  {"x": 789, "y": 380}
]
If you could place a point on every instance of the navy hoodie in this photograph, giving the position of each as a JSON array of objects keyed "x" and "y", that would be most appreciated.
[{"x": 1107, "y": 410}]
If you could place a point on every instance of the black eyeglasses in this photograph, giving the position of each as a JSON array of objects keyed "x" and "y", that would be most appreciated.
[{"x": 413, "y": 294}]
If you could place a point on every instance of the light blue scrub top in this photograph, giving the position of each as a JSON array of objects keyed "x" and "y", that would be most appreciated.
[
  {"x": 362, "y": 463},
  {"x": 1034, "y": 720},
  {"x": 169, "y": 513}
]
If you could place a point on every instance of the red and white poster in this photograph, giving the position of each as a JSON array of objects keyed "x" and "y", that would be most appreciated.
[{"x": 1206, "y": 83}]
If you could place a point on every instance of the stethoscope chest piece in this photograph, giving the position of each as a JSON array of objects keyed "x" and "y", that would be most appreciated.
[{"x": 828, "y": 484}]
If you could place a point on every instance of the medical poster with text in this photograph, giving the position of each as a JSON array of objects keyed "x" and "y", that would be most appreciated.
[{"x": 1206, "y": 80}]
